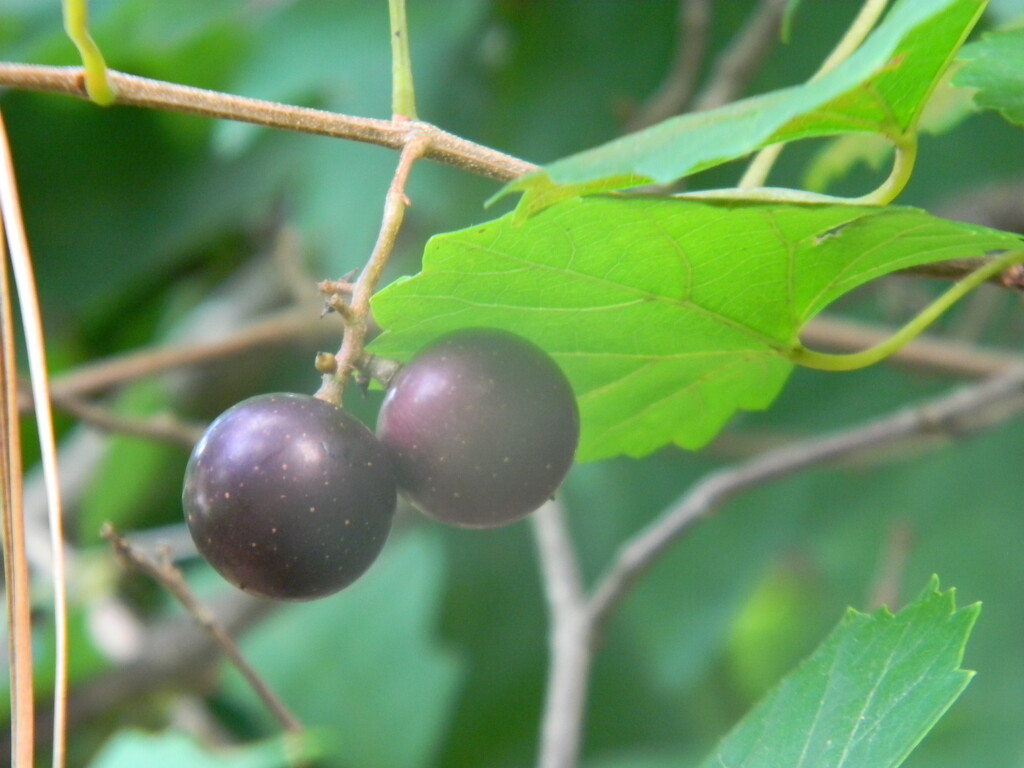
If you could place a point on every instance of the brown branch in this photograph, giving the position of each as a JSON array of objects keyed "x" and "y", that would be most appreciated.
[
  {"x": 135, "y": 91},
  {"x": 113, "y": 371},
  {"x": 955, "y": 415},
  {"x": 170, "y": 578},
  {"x": 738, "y": 63},
  {"x": 163, "y": 428}
]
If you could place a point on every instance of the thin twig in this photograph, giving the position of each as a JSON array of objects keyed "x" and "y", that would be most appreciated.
[
  {"x": 957, "y": 414},
  {"x": 135, "y": 91},
  {"x": 738, "y": 63},
  {"x": 357, "y": 321},
  {"x": 569, "y": 640},
  {"x": 163, "y": 428},
  {"x": 101, "y": 375},
  {"x": 170, "y": 578},
  {"x": 677, "y": 87}
]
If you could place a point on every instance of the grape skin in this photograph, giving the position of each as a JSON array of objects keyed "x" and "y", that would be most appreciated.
[{"x": 289, "y": 497}]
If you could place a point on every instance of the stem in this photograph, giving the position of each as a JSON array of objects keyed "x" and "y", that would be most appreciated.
[
  {"x": 830, "y": 362},
  {"x": 135, "y": 91},
  {"x": 76, "y": 23},
  {"x": 403, "y": 95},
  {"x": 759, "y": 168},
  {"x": 357, "y": 320},
  {"x": 902, "y": 168}
]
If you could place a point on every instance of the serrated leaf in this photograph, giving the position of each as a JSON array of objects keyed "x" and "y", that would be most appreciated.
[
  {"x": 994, "y": 65},
  {"x": 865, "y": 697},
  {"x": 881, "y": 88},
  {"x": 667, "y": 314}
]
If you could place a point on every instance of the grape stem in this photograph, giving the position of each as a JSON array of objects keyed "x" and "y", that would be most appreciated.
[
  {"x": 357, "y": 319},
  {"x": 851, "y": 362}
]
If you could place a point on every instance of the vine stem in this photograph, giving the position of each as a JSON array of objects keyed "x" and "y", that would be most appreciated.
[
  {"x": 759, "y": 168},
  {"x": 850, "y": 362},
  {"x": 135, "y": 91},
  {"x": 32, "y": 324},
  {"x": 403, "y": 94},
  {"x": 76, "y": 24},
  {"x": 357, "y": 319}
]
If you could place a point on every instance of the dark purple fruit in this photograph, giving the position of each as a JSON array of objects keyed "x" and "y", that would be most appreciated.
[
  {"x": 288, "y": 496},
  {"x": 481, "y": 426}
]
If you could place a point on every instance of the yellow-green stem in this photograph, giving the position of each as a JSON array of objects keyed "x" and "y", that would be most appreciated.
[
  {"x": 759, "y": 168},
  {"x": 76, "y": 23},
  {"x": 850, "y": 362},
  {"x": 403, "y": 95}
]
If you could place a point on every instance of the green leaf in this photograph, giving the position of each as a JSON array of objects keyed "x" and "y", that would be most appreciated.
[
  {"x": 666, "y": 314},
  {"x": 128, "y": 749},
  {"x": 866, "y": 696},
  {"x": 994, "y": 66},
  {"x": 881, "y": 88},
  {"x": 366, "y": 661}
]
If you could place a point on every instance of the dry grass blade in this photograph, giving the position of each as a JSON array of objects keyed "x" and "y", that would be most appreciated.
[
  {"x": 19, "y": 636},
  {"x": 24, "y": 281}
]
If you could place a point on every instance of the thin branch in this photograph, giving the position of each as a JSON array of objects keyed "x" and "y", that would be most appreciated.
[
  {"x": 357, "y": 319},
  {"x": 677, "y": 87},
  {"x": 738, "y": 63},
  {"x": 135, "y": 91},
  {"x": 163, "y": 428},
  {"x": 170, "y": 578},
  {"x": 114, "y": 371},
  {"x": 569, "y": 640},
  {"x": 957, "y": 415}
]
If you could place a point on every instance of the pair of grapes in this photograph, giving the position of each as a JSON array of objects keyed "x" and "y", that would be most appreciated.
[{"x": 291, "y": 497}]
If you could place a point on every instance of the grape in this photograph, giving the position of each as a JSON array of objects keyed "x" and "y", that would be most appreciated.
[
  {"x": 288, "y": 496},
  {"x": 481, "y": 426}
]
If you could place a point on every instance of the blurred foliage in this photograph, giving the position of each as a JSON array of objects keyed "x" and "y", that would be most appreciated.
[{"x": 140, "y": 221}]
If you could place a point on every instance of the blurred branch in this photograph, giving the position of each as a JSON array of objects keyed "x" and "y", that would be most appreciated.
[
  {"x": 737, "y": 64},
  {"x": 170, "y": 578},
  {"x": 569, "y": 640},
  {"x": 135, "y": 91},
  {"x": 954, "y": 416},
  {"x": 677, "y": 87},
  {"x": 97, "y": 376},
  {"x": 163, "y": 428}
]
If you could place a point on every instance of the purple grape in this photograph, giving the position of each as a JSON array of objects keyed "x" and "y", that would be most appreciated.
[
  {"x": 481, "y": 426},
  {"x": 289, "y": 497}
]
